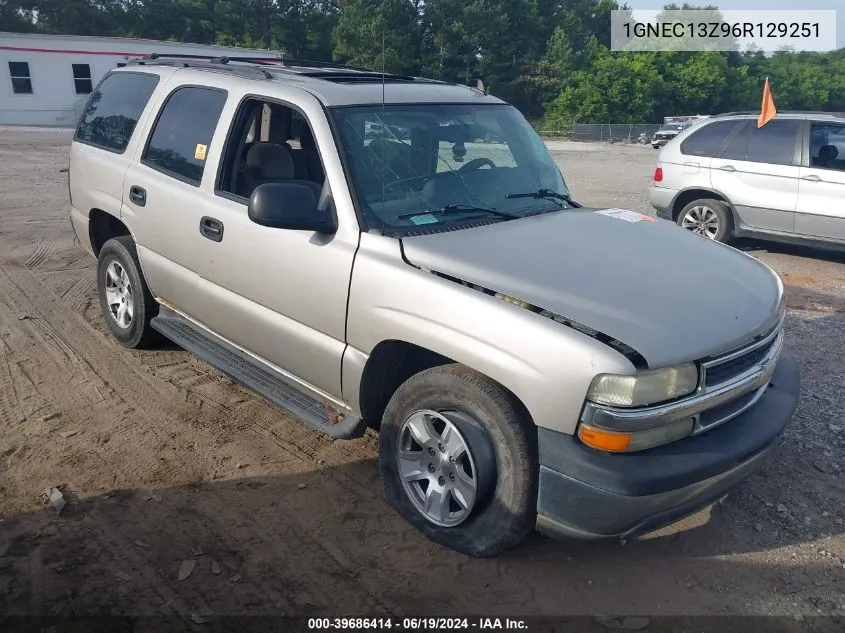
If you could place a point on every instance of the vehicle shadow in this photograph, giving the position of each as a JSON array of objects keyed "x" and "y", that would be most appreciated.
[
  {"x": 314, "y": 539},
  {"x": 319, "y": 543},
  {"x": 810, "y": 252}
]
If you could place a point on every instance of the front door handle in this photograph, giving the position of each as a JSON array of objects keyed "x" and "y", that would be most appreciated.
[
  {"x": 727, "y": 168},
  {"x": 811, "y": 178},
  {"x": 138, "y": 195},
  {"x": 211, "y": 229}
]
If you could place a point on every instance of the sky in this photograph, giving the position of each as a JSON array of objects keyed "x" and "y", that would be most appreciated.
[{"x": 769, "y": 5}]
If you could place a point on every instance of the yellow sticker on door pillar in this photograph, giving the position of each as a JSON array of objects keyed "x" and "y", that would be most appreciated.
[{"x": 199, "y": 152}]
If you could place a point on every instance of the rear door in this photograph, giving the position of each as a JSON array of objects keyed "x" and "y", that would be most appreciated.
[
  {"x": 758, "y": 172},
  {"x": 163, "y": 201},
  {"x": 689, "y": 164},
  {"x": 821, "y": 190}
]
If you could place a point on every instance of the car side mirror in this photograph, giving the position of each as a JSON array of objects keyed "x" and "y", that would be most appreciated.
[{"x": 289, "y": 205}]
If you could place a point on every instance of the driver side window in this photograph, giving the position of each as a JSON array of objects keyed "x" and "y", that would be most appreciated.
[{"x": 269, "y": 142}]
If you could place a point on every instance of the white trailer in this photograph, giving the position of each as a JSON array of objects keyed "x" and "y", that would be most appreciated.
[{"x": 45, "y": 80}]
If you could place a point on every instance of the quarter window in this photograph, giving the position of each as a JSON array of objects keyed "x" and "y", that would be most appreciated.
[
  {"x": 82, "y": 79},
  {"x": 179, "y": 141},
  {"x": 737, "y": 147},
  {"x": 21, "y": 80},
  {"x": 707, "y": 141},
  {"x": 112, "y": 111}
]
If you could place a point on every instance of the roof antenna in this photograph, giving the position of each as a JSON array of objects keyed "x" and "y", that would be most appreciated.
[{"x": 383, "y": 124}]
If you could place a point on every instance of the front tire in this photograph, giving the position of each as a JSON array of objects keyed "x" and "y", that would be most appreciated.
[
  {"x": 458, "y": 455},
  {"x": 125, "y": 300},
  {"x": 709, "y": 218}
]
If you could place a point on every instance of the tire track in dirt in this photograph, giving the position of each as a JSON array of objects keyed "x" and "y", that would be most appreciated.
[
  {"x": 40, "y": 254},
  {"x": 80, "y": 354}
]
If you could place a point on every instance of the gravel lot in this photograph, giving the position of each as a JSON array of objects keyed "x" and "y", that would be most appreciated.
[{"x": 163, "y": 460}]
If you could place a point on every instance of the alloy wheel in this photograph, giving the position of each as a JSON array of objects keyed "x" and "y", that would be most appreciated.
[
  {"x": 119, "y": 294},
  {"x": 701, "y": 220},
  {"x": 436, "y": 467}
]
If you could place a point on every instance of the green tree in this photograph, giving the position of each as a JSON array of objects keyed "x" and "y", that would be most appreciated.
[
  {"x": 15, "y": 17},
  {"x": 617, "y": 88},
  {"x": 496, "y": 40},
  {"x": 378, "y": 35}
]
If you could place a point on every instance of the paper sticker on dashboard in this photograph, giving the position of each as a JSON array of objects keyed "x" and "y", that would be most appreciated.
[{"x": 424, "y": 219}]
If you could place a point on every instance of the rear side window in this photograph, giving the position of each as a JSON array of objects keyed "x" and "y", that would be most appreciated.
[
  {"x": 112, "y": 112},
  {"x": 179, "y": 141},
  {"x": 774, "y": 143},
  {"x": 737, "y": 147},
  {"x": 707, "y": 141}
]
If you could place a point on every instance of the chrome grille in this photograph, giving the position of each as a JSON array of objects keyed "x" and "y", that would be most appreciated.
[
  {"x": 725, "y": 411},
  {"x": 733, "y": 367}
]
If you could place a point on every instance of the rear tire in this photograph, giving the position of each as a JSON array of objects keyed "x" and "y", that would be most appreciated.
[
  {"x": 709, "y": 218},
  {"x": 125, "y": 299},
  {"x": 501, "y": 441}
]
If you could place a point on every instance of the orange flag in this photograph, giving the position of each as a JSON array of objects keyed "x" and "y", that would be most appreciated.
[{"x": 767, "y": 110}]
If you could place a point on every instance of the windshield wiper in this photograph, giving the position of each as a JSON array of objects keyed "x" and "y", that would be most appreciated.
[
  {"x": 545, "y": 194},
  {"x": 453, "y": 209}
]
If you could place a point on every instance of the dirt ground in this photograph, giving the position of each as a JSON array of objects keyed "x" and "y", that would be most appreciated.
[{"x": 163, "y": 460}]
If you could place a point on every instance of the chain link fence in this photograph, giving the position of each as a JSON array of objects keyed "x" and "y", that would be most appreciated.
[{"x": 606, "y": 132}]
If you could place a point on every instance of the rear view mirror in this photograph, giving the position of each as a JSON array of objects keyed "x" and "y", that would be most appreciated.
[{"x": 289, "y": 205}]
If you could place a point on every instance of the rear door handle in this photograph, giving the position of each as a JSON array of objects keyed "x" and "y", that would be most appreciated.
[
  {"x": 138, "y": 195},
  {"x": 211, "y": 229},
  {"x": 727, "y": 168},
  {"x": 811, "y": 178}
]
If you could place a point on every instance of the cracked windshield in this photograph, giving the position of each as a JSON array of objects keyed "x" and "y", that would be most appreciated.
[{"x": 447, "y": 164}]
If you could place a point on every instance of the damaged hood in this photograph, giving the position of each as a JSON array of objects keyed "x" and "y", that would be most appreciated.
[{"x": 671, "y": 295}]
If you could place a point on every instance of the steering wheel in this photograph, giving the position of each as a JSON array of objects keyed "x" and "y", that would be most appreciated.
[{"x": 477, "y": 163}]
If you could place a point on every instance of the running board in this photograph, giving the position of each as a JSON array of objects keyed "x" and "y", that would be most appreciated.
[{"x": 258, "y": 377}]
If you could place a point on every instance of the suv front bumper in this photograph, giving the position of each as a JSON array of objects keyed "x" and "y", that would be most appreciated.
[{"x": 588, "y": 494}]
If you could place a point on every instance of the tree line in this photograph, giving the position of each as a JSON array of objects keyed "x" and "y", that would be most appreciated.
[{"x": 549, "y": 58}]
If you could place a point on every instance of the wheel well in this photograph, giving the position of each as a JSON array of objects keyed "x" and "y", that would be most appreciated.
[
  {"x": 390, "y": 364},
  {"x": 685, "y": 197},
  {"x": 102, "y": 227}
]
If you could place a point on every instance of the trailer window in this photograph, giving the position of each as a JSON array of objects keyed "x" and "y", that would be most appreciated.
[
  {"x": 21, "y": 81},
  {"x": 82, "y": 79}
]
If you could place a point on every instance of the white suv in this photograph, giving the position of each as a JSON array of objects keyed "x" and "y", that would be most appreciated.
[{"x": 785, "y": 181}]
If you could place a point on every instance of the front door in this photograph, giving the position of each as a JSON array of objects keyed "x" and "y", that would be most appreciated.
[{"x": 279, "y": 294}]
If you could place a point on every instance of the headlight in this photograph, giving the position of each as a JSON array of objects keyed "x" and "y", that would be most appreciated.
[{"x": 646, "y": 387}]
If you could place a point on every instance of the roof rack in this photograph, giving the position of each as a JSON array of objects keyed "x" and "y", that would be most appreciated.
[
  {"x": 252, "y": 66},
  {"x": 808, "y": 112},
  {"x": 223, "y": 59},
  {"x": 261, "y": 66}
]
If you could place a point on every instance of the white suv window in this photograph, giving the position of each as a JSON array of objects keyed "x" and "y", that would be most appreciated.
[
  {"x": 112, "y": 112},
  {"x": 774, "y": 143},
  {"x": 827, "y": 146},
  {"x": 179, "y": 141},
  {"x": 707, "y": 141}
]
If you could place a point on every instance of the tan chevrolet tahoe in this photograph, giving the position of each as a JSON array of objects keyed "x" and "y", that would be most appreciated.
[{"x": 401, "y": 253}]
